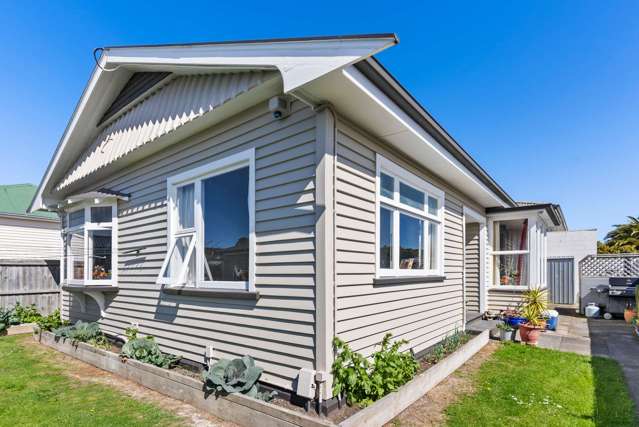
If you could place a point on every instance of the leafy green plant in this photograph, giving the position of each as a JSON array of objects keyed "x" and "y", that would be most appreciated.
[
  {"x": 235, "y": 376},
  {"x": 147, "y": 350},
  {"x": 50, "y": 322},
  {"x": 362, "y": 381},
  {"x": 26, "y": 314},
  {"x": 448, "y": 345},
  {"x": 7, "y": 318},
  {"x": 89, "y": 333},
  {"x": 503, "y": 326},
  {"x": 131, "y": 333}
]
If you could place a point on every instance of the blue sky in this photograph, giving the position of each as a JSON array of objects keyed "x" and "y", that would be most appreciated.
[{"x": 544, "y": 94}]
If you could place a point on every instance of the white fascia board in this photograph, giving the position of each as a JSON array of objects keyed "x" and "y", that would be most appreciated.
[
  {"x": 410, "y": 129},
  {"x": 298, "y": 61}
]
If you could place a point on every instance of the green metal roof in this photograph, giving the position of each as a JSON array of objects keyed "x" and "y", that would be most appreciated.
[{"x": 15, "y": 200}]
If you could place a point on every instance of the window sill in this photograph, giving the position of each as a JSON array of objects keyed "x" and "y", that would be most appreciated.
[
  {"x": 83, "y": 288},
  {"x": 514, "y": 288},
  {"x": 211, "y": 292},
  {"x": 401, "y": 280}
]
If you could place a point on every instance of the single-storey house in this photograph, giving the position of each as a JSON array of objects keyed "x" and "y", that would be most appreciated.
[
  {"x": 30, "y": 250},
  {"x": 262, "y": 197}
]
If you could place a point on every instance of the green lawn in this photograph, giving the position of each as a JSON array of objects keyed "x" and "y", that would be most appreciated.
[
  {"x": 526, "y": 386},
  {"x": 35, "y": 391}
]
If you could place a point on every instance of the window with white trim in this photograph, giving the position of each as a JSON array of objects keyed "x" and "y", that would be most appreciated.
[
  {"x": 410, "y": 223},
  {"x": 212, "y": 226},
  {"x": 90, "y": 245},
  {"x": 511, "y": 253}
]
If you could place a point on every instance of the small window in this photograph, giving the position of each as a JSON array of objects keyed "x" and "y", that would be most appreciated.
[
  {"x": 511, "y": 235},
  {"x": 385, "y": 238},
  {"x": 76, "y": 218},
  {"x": 512, "y": 270},
  {"x": 185, "y": 204},
  {"x": 101, "y": 214},
  {"x": 433, "y": 205},
  {"x": 411, "y": 243},
  {"x": 178, "y": 265},
  {"x": 75, "y": 249},
  {"x": 100, "y": 254},
  {"x": 411, "y": 197},
  {"x": 387, "y": 186}
]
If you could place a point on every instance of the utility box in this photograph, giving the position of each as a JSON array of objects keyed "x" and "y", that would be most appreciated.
[{"x": 306, "y": 386}]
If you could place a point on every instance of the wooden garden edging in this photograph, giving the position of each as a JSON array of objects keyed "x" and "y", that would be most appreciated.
[
  {"x": 24, "y": 328},
  {"x": 237, "y": 408},
  {"x": 247, "y": 411},
  {"x": 391, "y": 405}
]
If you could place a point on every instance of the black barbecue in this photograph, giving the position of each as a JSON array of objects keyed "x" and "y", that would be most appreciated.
[{"x": 620, "y": 291}]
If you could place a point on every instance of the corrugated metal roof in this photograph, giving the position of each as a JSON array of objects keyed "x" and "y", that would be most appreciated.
[
  {"x": 15, "y": 200},
  {"x": 182, "y": 100}
]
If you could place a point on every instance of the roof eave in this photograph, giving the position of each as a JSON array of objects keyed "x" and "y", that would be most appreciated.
[{"x": 387, "y": 83}]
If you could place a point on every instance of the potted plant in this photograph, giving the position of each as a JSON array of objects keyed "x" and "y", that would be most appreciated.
[
  {"x": 629, "y": 313},
  {"x": 506, "y": 332},
  {"x": 535, "y": 303}
]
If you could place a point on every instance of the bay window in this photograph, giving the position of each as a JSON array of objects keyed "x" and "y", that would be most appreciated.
[
  {"x": 212, "y": 226},
  {"x": 90, "y": 245},
  {"x": 511, "y": 254},
  {"x": 410, "y": 223}
]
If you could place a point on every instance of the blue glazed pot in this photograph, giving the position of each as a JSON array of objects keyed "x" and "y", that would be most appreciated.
[{"x": 515, "y": 321}]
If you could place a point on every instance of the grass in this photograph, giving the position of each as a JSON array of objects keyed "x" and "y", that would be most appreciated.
[
  {"x": 526, "y": 386},
  {"x": 35, "y": 391}
]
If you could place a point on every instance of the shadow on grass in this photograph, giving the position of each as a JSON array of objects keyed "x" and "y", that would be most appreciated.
[{"x": 612, "y": 403}]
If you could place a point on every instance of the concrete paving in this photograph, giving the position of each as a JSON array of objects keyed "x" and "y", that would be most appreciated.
[{"x": 615, "y": 339}]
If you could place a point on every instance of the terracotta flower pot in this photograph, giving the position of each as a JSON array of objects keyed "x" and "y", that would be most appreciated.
[
  {"x": 530, "y": 334},
  {"x": 629, "y": 314}
]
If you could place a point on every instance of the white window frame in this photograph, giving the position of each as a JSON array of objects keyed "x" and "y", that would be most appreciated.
[
  {"x": 86, "y": 227},
  {"x": 196, "y": 247},
  {"x": 400, "y": 174},
  {"x": 532, "y": 254}
]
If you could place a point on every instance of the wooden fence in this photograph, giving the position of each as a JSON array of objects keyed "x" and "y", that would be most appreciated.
[{"x": 30, "y": 282}]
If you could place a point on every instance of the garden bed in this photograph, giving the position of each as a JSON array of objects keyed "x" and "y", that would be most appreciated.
[{"x": 248, "y": 411}]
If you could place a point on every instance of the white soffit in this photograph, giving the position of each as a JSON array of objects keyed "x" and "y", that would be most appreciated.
[
  {"x": 351, "y": 93},
  {"x": 299, "y": 62}
]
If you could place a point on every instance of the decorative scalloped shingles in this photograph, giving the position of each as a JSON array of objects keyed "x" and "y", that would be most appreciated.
[{"x": 182, "y": 100}]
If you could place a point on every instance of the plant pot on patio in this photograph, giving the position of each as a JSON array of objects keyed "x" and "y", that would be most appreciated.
[
  {"x": 529, "y": 334},
  {"x": 628, "y": 314}
]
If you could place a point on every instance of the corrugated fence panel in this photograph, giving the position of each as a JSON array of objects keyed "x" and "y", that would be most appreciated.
[
  {"x": 278, "y": 330},
  {"x": 561, "y": 280},
  {"x": 422, "y": 313}
]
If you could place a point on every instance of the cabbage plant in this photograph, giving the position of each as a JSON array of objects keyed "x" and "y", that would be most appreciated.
[
  {"x": 147, "y": 350},
  {"x": 235, "y": 376}
]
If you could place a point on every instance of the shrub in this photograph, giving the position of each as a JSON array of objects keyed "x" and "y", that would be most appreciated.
[
  {"x": 147, "y": 350},
  {"x": 235, "y": 376},
  {"x": 7, "y": 318},
  {"x": 362, "y": 381},
  {"x": 26, "y": 314},
  {"x": 447, "y": 346},
  {"x": 50, "y": 322}
]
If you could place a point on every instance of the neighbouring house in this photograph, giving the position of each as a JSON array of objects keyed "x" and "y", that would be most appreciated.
[
  {"x": 30, "y": 251},
  {"x": 262, "y": 197}
]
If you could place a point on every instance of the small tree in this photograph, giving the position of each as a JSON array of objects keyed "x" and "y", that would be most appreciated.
[{"x": 624, "y": 238}]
